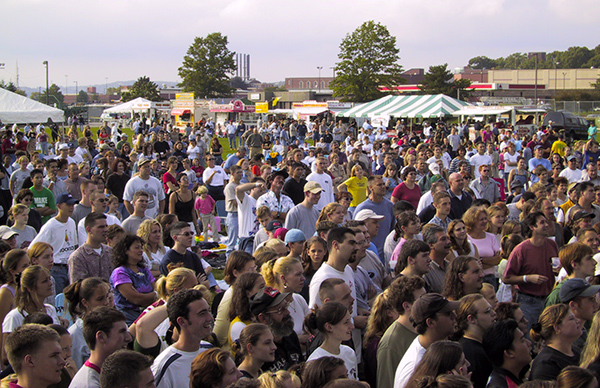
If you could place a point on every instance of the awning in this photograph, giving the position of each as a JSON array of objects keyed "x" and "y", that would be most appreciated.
[
  {"x": 481, "y": 111},
  {"x": 425, "y": 106},
  {"x": 179, "y": 111},
  {"x": 310, "y": 111}
]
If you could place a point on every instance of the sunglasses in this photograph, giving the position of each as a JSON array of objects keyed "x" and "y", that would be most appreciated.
[{"x": 186, "y": 234}]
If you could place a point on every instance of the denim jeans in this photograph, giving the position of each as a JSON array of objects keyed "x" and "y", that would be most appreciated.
[
  {"x": 232, "y": 141},
  {"x": 61, "y": 277},
  {"x": 531, "y": 307},
  {"x": 231, "y": 223}
]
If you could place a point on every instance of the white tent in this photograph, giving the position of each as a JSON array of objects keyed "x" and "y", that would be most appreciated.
[
  {"x": 15, "y": 108},
  {"x": 135, "y": 105}
]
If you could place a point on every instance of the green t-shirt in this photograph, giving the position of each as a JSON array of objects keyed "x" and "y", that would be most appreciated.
[
  {"x": 554, "y": 297},
  {"x": 42, "y": 199}
]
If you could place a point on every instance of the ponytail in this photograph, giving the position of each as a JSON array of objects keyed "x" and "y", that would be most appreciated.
[{"x": 267, "y": 272}]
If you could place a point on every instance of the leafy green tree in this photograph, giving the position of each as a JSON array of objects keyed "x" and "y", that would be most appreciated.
[
  {"x": 206, "y": 67},
  {"x": 12, "y": 88},
  {"x": 55, "y": 96},
  {"x": 439, "y": 80},
  {"x": 113, "y": 91},
  {"x": 482, "y": 62},
  {"x": 83, "y": 97},
  {"x": 368, "y": 60},
  {"x": 144, "y": 88},
  {"x": 238, "y": 83},
  {"x": 460, "y": 90}
]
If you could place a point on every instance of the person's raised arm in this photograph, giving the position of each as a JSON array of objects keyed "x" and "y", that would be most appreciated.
[{"x": 242, "y": 189}]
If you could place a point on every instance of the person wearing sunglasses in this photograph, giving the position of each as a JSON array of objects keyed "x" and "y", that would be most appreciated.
[
  {"x": 183, "y": 238},
  {"x": 484, "y": 186}
]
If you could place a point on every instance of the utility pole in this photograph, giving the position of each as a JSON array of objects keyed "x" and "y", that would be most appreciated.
[
  {"x": 45, "y": 63},
  {"x": 319, "y": 67}
]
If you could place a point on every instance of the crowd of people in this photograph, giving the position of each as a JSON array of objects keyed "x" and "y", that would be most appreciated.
[{"x": 461, "y": 255}]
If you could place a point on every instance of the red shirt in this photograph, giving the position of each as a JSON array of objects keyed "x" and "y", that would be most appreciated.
[
  {"x": 167, "y": 177},
  {"x": 527, "y": 259}
]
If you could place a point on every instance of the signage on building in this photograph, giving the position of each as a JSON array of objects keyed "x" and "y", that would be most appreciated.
[
  {"x": 261, "y": 107},
  {"x": 184, "y": 96}
]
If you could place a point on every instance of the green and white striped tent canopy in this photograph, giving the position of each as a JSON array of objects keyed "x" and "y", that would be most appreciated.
[{"x": 426, "y": 106}]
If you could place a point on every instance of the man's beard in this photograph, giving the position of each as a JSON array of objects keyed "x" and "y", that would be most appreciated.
[{"x": 283, "y": 328}]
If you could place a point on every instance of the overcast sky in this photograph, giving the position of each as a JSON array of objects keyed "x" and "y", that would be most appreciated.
[{"x": 97, "y": 41}]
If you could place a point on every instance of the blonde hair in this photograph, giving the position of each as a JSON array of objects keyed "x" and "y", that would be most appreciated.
[
  {"x": 202, "y": 190},
  {"x": 37, "y": 249},
  {"x": 168, "y": 285},
  {"x": 591, "y": 347},
  {"x": 26, "y": 298},
  {"x": 16, "y": 210},
  {"x": 379, "y": 320},
  {"x": 278, "y": 379},
  {"x": 353, "y": 171},
  {"x": 144, "y": 232},
  {"x": 23, "y": 159},
  {"x": 327, "y": 210},
  {"x": 273, "y": 269},
  {"x": 470, "y": 217}
]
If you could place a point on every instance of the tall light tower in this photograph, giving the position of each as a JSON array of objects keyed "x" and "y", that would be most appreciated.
[
  {"x": 320, "y": 68},
  {"x": 45, "y": 63}
]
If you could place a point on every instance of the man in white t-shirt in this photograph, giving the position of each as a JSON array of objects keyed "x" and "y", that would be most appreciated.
[
  {"x": 247, "y": 221},
  {"x": 479, "y": 159},
  {"x": 61, "y": 233},
  {"x": 102, "y": 343},
  {"x": 321, "y": 177},
  {"x": 342, "y": 249},
  {"x": 434, "y": 319},
  {"x": 99, "y": 203},
  {"x": 149, "y": 184},
  {"x": 571, "y": 172},
  {"x": 190, "y": 314},
  {"x": 511, "y": 159}
]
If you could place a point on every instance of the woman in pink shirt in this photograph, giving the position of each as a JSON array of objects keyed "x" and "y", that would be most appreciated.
[
  {"x": 408, "y": 190},
  {"x": 476, "y": 221}
]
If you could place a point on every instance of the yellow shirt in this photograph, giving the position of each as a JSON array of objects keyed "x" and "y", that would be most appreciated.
[
  {"x": 358, "y": 189},
  {"x": 558, "y": 147}
]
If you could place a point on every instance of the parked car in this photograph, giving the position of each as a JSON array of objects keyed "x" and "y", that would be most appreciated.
[{"x": 575, "y": 127}]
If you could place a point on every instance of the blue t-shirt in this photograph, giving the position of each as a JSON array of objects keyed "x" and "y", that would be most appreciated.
[{"x": 386, "y": 225}]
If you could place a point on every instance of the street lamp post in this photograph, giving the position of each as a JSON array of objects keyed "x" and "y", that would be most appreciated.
[
  {"x": 45, "y": 63},
  {"x": 105, "y": 85},
  {"x": 76, "y": 91},
  {"x": 319, "y": 88},
  {"x": 535, "y": 90},
  {"x": 66, "y": 84},
  {"x": 564, "y": 79}
]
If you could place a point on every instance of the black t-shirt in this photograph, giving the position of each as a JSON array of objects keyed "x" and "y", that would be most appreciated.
[
  {"x": 288, "y": 353},
  {"x": 481, "y": 367},
  {"x": 294, "y": 189},
  {"x": 116, "y": 184},
  {"x": 549, "y": 362},
  {"x": 190, "y": 260},
  {"x": 161, "y": 148}
]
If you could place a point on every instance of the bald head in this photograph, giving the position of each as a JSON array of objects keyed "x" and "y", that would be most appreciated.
[{"x": 456, "y": 182}]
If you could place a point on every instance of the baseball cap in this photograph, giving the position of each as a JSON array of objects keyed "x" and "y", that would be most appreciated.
[
  {"x": 280, "y": 233},
  {"x": 6, "y": 232},
  {"x": 434, "y": 168},
  {"x": 537, "y": 147},
  {"x": 313, "y": 187},
  {"x": 72, "y": 145},
  {"x": 571, "y": 157},
  {"x": 294, "y": 235},
  {"x": 572, "y": 288},
  {"x": 104, "y": 147},
  {"x": 358, "y": 143},
  {"x": 366, "y": 214},
  {"x": 63, "y": 146},
  {"x": 266, "y": 298},
  {"x": 430, "y": 304},
  {"x": 516, "y": 184},
  {"x": 66, "y": 198},
  {"x": 582, "y": 214},
  {"x": 143, "y": 161},
  {"x": 274, "y": 225}
]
